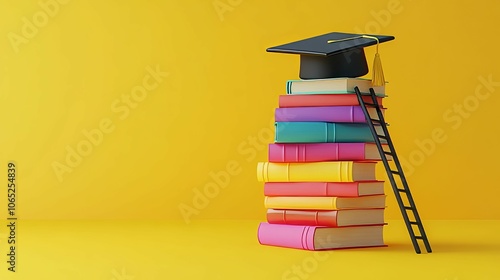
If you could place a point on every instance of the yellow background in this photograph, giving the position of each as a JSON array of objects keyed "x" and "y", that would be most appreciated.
[
  {"x": 220, "y": 93},
  {"x": 212, "y": 114}
]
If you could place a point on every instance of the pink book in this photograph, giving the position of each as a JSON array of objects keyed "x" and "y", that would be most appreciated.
[
  {"x": 338, "y": 189},
  {"x": 320, "y": 238},
  {"x": 313, "y": 152}
]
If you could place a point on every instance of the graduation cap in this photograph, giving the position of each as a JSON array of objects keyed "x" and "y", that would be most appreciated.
[{"x": 336, "y": 55}]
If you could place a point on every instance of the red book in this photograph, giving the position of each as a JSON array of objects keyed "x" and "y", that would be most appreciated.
[
  {"x": 314, "y": 100},
  {"x": 337, "y": 189},
  {"x": 313, "y": 152},
  {"x": 334, "y": 218}
]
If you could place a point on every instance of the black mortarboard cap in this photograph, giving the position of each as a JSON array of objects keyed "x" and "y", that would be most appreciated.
[{"x": 333, "y": 55}]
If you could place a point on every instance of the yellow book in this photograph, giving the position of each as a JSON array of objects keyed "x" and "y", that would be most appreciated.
[
  {"x": 332, "y": 171},
  {"x": 324, "y": 203}
]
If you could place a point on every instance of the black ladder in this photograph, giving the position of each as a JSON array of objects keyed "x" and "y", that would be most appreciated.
[{"x": 406, "y": 204}]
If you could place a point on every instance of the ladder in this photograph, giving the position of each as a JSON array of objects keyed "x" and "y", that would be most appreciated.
[{"x": 403, "y": 194}]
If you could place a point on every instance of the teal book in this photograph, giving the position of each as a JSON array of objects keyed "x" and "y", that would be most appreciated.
[{"x": 323, "y": 132}]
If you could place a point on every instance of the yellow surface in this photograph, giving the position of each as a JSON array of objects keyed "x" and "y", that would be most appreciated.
[
  {"x": 162, "y": 109},
  {"x": 229, "y": 250}
]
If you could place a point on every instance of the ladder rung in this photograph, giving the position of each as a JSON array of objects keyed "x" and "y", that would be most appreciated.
[
  {"x": 388, "y": 153},
  {"x": 414, "y": 223},
  {"x": 381, "y": 136},
  {"x": 371, "y": 104},
  {"x": 394, "y": 172},
  {"x": 401, "y": 190},
  {"x": 408, "y": 207},
  {"x": 419, "y": 237}
]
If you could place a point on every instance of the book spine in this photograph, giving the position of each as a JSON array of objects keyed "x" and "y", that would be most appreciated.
[
  {"x": 347, "y": 189},
  {"x": 322, "y": 132},
  {"x": 365, "y": 88},
  {"x": 352, "y": 151},
  {"x": 345, "y": 114},
  {"x": 327, "y": 88},
  {"x": 289, "y": 236},
  {"x": 353, "y": 132},
  {"x": 337, "y": 171},
  {"x": 313, "y": 152},
  {"x": 304, "y": 203},
  {"x": 302, "y": 217},
  {"x": 305, "y": 132}
]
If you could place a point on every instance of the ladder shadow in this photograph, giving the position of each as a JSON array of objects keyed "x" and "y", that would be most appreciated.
[
  {"x": 467, "y": 247},
  {"x": 446, "y": 247}
]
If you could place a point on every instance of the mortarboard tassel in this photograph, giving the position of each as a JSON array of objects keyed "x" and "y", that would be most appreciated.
[
  {"x": 378, "y": 73},
  {"x": 378, "y": 79}
]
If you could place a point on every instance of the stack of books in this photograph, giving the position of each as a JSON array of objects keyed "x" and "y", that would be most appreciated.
[{"x": 320, "y": 186}]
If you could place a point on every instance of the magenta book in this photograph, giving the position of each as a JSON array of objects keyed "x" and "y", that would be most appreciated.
[
  {"x": 320, "y": 238},
  {"x": 344, "y": 114},
  {"x": 313, "y": 152}
]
